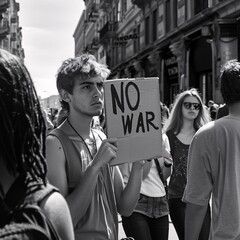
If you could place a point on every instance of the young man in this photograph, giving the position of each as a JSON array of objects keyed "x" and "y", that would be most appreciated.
[
  {"x": 214, "y": 167},
  {"x": 94, "y": 191}
]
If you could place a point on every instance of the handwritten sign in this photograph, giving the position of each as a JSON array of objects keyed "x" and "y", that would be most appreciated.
[{"x": 132, "y": 110}]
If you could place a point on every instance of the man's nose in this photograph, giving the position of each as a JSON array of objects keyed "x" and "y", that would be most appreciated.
[{"x": 97, "y": 91}]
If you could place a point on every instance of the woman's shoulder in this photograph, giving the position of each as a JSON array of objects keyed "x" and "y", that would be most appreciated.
[
  {"x": 56, "y": 209},
  {"x": 171, "y": 135}
]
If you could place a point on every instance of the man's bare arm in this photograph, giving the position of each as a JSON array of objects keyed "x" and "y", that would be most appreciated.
[{"x": 194, "y": 217}]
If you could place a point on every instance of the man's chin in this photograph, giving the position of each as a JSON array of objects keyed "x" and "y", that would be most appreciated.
[{"x": 97, "y": 113}]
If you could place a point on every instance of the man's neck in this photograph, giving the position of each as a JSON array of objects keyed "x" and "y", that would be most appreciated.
[
  {"x": 81, "y": 124},
  {"x": 234, "y": 110}
]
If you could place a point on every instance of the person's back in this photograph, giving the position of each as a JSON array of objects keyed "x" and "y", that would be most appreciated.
[
  {"x": 226, "y": 177},
  {"x": 221, "y": 158},
  {"x": 214, "y": 167}
]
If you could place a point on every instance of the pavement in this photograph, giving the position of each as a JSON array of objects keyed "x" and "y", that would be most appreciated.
[{"x": 172, "y": 232}]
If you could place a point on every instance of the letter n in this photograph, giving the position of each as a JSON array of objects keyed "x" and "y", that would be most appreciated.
[{"x": 115, "y": 99}]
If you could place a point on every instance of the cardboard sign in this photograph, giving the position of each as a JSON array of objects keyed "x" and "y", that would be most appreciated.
[{"x": 132, "y": 110}]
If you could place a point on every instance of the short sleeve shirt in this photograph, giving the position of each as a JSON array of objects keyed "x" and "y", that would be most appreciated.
[{"x": 214, "y": 170}]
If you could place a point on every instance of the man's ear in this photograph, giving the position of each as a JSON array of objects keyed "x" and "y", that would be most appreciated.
[{"x": 65, "y": 95}]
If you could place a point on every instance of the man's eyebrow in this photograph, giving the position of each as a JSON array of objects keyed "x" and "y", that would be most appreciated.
[{"x": 88, "y": 83}]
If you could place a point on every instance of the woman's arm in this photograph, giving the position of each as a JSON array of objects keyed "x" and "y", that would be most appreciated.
[
  {"x": 127, "y": 196},
  {"x": 56, "y": 209}
]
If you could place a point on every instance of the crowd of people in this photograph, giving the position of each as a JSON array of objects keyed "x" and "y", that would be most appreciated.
[{"x": 195, "y": 183}]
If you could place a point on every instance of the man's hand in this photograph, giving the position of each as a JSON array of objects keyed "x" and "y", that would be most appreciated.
[{"x": 106, "y": 152}]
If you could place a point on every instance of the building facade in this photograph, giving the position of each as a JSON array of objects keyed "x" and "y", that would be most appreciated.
[
  {"x": 10, "y": 31},
  {"x": 183, "y": 42}
]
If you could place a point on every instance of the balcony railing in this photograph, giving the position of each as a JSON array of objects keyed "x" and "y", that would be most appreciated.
[
  {"x": 4, "y": 4},
  {"x": 139, "y": 3},
  {"x": 93, "y": 12},
  {"x": 4, "y": 28},
  {"x": 14, "y": 19},
  {"x": 108, "y": 30},
  {"x": 95, "y": 43},
  {"x": 13, "y": 37}
]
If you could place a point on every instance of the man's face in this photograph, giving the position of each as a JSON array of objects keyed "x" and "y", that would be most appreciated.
[{"x": 87, "y": 97}]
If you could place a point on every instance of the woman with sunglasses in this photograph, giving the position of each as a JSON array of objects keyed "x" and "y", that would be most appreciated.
[{"x": 187, "y": 116}]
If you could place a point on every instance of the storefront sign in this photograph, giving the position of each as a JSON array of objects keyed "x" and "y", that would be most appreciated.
[
  {"x": 132, "y": 108},
  {"x": 122, "y": 41}
]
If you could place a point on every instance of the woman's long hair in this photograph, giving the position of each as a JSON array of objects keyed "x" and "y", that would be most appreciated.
[
  {"x": 22, "y": 126},
  {"x": 175, "y": 121}
]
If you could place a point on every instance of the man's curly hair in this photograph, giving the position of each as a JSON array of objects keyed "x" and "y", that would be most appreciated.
[
  {"x": 84, "y": 66},
  {"x": 230, "y": 82}
]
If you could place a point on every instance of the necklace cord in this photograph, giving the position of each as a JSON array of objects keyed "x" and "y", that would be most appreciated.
[{"x": 94, "y": 140}]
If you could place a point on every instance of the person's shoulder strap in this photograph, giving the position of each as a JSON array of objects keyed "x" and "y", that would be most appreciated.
[
  {"x": 72, "y": 157},
  {"x": 160, "y": 173},
  {"x": 171, "y": 137}
]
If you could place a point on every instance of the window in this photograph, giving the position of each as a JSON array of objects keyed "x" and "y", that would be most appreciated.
[
  {"x": 171, "y": 14},
  {"x": 181, "y": 11},
  {"x": 147, "y": 31},
  {"x": 154, "y": 25},
  {"x": 124, "y": 6},
  {"x": 111, "y": 16},
  {"x": 168, "y": 16},
  {"x": 118, "y": 12},
  {"x": 136, "y": 41},
  {"x": 123, "y": 55},
  {"x": 200, "y": 5}
]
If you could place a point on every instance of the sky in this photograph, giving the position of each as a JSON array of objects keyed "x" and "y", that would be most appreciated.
[{"x": 47, "y": 38}]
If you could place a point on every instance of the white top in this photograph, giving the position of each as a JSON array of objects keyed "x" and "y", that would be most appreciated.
[{"x": 152, "y": 185}]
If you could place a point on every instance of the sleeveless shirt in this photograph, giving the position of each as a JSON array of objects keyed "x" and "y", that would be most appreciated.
[{"x": 100, "y": 221}]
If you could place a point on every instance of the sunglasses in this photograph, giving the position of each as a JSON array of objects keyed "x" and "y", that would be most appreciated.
[{"x": 188, "y": 105}]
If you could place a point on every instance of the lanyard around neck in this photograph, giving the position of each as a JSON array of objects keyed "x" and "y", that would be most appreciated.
[{"x": 94, "y": 140}]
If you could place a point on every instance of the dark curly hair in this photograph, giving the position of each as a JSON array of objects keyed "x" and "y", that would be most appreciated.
[
  {"x": 84, "y": 66},
  {"x": 230, "y": 82},
  {"x": 22, "y": 125}
]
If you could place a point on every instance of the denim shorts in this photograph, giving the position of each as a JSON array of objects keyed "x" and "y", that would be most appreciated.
[{"x": 153, "y": 207}]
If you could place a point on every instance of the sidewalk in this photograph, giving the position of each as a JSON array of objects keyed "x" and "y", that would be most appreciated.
[{"x": 172, "y": 232}]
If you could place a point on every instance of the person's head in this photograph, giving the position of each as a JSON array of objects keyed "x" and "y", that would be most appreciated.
[
  {"x": 81, "y": 68},
  {"x": 230, "y": 82},
  {"x": 22, "y": 125},
  {"x": 188, "y": 105},
  {"x": 210, "y": 103}
]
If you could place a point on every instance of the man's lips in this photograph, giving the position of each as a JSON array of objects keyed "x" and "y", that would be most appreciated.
[{"x": 97, "y": 103}]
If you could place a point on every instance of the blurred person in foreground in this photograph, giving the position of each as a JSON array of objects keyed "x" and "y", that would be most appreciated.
[
  {"x": 23, "y": 167},
  {"x": 214, "y": 167},
  {"x": 94, "y": 190}
]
